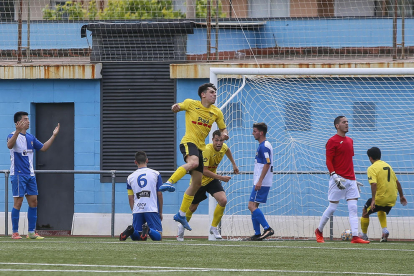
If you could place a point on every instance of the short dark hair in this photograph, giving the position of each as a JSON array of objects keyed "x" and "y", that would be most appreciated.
[
  {"x": 261, "y": 127},
  {"x": 217, "y": 132},
  {"x": 140, "y": 157},
  {"x": 374, "y": 153},
  {"x": 204, "y": 87},
  {"x": 337, "y": 119},
  {"x": 18, "y": 115}
]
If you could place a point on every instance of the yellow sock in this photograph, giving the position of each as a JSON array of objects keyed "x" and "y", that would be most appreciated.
[
  {"x": 364, "y": 225},
  {"x": 218, "y": 214},
  {"x": 382, "y": 218},
  {"x": 188, "y": 215},
  {"x": 185, "y": 204},
  {"x": 179, "y": 173}
]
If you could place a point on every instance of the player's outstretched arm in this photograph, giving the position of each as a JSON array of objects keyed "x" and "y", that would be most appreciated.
[
  {"x": 49, "y": 142},
  {"x": 224, "y": 134},
  {"x": 210, "y": 174},
  {"x": 230, "y": 157},
  {"x": 175, "y": 108}
]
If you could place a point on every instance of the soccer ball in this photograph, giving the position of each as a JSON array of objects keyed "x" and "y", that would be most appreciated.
[{"x": 346, "y": 235}]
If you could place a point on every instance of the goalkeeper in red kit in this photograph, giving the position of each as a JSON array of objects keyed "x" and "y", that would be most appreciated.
[{"x": 342, "y": 182}]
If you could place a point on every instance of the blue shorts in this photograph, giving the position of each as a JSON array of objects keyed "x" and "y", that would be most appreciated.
[
  {"x": 23, "y": 185},
  {"x": 152, "y": 219},
  {"x": 259, "y": 196}
]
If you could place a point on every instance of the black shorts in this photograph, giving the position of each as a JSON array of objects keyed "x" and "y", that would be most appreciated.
[
  {"x": 213, "y": 187},
  {"x": 191, "y": 149},
  {"x": 377, "y": 208}
]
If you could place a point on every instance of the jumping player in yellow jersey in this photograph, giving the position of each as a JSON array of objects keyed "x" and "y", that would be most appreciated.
[
  {"x": 211, "y": 183},
  {"x": 384, "y": 187},
  {"x": 199, "y": 118}
]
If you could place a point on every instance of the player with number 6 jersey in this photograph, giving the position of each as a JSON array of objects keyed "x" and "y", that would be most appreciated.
[{"x": 145, "y": 201}]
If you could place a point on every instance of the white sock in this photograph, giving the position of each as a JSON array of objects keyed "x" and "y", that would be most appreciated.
[
  {"x": 385, "y": 230},
  {"x": 327, "y": 214},
  {"x": 353, "y": 216},
  {"x": 182, "y": 213}
]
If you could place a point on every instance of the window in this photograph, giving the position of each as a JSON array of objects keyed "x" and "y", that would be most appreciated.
[
  {"x": 233, "y": 115},
  {"x": 386, "y": 7},
  {"x": 6, "y": 10},
  {"x": 364, "y": 116},
  {"x": 298, "y": 116},
  {"x": 269, "y": 8}
]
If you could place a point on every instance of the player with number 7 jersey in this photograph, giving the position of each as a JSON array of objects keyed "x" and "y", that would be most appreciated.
[{"x": 145, "y": 201}]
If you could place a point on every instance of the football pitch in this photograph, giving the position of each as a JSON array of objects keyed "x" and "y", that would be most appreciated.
[{"x": 109, "y": 256}]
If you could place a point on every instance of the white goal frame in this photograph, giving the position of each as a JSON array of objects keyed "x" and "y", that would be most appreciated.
[{"x": 328, "y": 72}]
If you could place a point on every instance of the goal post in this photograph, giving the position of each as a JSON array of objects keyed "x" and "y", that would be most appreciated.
[{"x": 299, "y": 107}]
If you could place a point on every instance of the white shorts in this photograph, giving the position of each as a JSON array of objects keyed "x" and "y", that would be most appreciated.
[{"x": 335, "y": 194}]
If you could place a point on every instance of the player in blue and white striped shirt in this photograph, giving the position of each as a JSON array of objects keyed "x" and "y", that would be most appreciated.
[
  {"x": 22, "y": 146},
  {"x": 263, "y": 178}
]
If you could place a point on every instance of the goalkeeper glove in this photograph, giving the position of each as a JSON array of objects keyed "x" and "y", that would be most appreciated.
[
  {"x": 338, "y": 181},
  {"x": 359, "y": 185},
  {"x": 167, "y": 187}
]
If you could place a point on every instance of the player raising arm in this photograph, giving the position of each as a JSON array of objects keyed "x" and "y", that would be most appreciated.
[
  {"x": 384, "y": 187},
  {"x": 199, "y": 118},
  {"x": 211, "y": 183}
]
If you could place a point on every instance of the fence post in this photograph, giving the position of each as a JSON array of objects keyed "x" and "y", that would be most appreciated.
[
  {"x": 113, "y": 174},
  {"x": 6, "y": 203}
]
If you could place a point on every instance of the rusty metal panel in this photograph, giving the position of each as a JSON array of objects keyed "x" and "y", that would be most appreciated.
[
  {"x": 56, "y": 71},
  {"x": 202, "y": 70}
]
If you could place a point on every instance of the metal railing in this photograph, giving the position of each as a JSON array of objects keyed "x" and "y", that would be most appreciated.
[{"x": 112, "y": 173}]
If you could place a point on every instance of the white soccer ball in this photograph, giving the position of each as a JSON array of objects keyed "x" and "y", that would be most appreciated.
[{"x": 346, "y": 235}]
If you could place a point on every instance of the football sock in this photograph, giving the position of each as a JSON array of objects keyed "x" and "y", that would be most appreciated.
[
  {"x": 15, "y": 215},
  {"x": 353, "y": 216},
  {"x": 185, "y": 204},
  {"x": 218, "y": 214},
  {"x": 32, "y": 218},
  {"x": 327, "y": 214},
  {"x": 188, "y": 215},
  {"x": 364, "y": 225},
  {"x": 382, "y": 219},
  {"x": 256, "y": 225},
  {"x": 385, "y": 230},
  {"x": 136, "y": 236},
  {"x": 154, "y": 235},
  {"x": 260, "y": 218},
  {"x": 177, "y": 175}
]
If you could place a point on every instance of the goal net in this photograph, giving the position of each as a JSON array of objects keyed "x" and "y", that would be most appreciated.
[{"x": 299, "y": 107}]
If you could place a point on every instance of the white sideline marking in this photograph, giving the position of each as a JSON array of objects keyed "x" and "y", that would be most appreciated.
[
  {"x": 173, "y": 269},
  {"x": 247, "y": 244}
]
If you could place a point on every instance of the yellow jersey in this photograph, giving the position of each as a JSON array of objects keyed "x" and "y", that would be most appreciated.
[
  {"x": 382, "y": 174},
  {"x": 211, "y": 160},
  {"x": 198, "y": 121}
]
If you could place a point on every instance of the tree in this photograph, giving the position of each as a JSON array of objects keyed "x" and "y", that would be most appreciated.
[{"x": 125, "y": 9}]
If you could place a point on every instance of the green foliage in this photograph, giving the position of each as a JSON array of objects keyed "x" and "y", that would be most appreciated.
[
  {"x": 201, "y": 9},
  {"x": 126, "y": 9},
  {"x": 116, "y": 9}
]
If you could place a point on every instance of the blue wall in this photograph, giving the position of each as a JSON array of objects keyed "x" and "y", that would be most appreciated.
[
  {"x": 16, "y": 95},
  {"x": 285, "y": 32}
]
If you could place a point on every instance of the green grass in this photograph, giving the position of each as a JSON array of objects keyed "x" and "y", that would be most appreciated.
[{"x": 108, "y": 256}]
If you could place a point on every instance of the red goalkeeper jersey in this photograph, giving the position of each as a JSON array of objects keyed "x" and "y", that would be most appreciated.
[{"x": 340, "y": 150}]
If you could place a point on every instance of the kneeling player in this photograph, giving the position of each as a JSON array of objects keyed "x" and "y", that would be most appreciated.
[
  {"x": 211, "y": 183},
  {"x": 384, "y": 187},
  {"x": 145, "y": 201}
]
